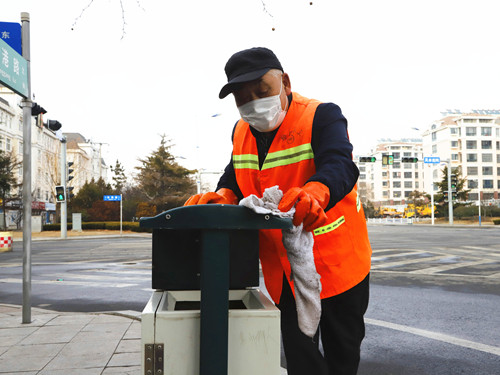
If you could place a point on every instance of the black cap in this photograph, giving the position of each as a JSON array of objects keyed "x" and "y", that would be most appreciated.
[{"x": 248, "y": 65}]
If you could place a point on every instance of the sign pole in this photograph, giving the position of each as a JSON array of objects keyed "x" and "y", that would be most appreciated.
[
  {"x": 64, "y": 210},
  {"x": 121, "y": 214},
  {"x": 450, "y": 194},
  {"x": 26, "y": 104}
]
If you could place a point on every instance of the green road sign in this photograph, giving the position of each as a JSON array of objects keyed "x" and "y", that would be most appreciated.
[{"x": 13, "y": 70}]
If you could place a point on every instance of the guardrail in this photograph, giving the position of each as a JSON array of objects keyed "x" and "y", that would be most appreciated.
[{"x": 390, "y": 220}]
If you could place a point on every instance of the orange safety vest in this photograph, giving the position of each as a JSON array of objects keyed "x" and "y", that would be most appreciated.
[{"x": 341, "y": 248}]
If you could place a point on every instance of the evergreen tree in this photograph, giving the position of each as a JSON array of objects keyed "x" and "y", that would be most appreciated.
[
  {"x": 119, "y": 178},
  {"x": 165, "y": 183},
  {"x": 462, "y": 194},
  {"x": 8, "y": 181},
  {"x": 90, "y": 192}
]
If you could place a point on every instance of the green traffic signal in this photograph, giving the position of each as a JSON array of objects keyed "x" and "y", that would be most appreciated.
[
  {"x": 60, "y": 194},
  {"x": 367, "y": 159},
  {"x": 409, "y": 160}
]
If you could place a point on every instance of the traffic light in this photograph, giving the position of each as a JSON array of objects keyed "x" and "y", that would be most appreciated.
[
  {"x": 454, "y": 181},
  {"x": 60, "y": 194},
  {"x": 69, "y": 193},
  {"x": 70, "y": 177},
  {"x": 53, "y": 125},
  {"x": 387, "y": 159},
  {"x": 37, "y": 110},
  {"x": 409, "y": 160},
  {"x": 367, "y": 159}
]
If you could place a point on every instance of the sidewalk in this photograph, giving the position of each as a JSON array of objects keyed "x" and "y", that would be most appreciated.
[{"x": 57, "y": 343}]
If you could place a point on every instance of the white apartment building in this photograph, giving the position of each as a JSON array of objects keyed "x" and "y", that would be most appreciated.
[
  {"x": 471, "y": 141},
  {"x": 45, "y": 170},
  {"x": 392, "y": 184},
  {"x": 87, "y": 161}
]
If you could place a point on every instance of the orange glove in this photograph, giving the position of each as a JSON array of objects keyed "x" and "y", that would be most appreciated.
[
  {"x": 310, "y": 202},
  {"x": 222, "y": 196}
]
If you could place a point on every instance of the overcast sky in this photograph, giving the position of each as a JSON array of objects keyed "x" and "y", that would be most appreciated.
[{"x": 391, "y": 65}]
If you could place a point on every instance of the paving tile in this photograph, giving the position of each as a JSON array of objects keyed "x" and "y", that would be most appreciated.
[
  {"x": 28, "y": 357},
  {"x": 81, "y": 355},
  {"x": 37, "y": 321},
  {"x": 107, "y": 318},
  {"x": 125, "y": 359},
  {"x": 134, "y": 331},
  {"x": 12, "y": 336},
  {"x": 71, "y": 319},
  {"x": 131, "y": 370},
  {"x": 53, "y": 334},
  {"x": 83, "y": 371},
  {"x": 129, "y": 346},
  {"x": 97, "y": 337}
]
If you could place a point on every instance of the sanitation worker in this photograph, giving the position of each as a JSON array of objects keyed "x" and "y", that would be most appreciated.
[{"x": 302, "y": 146}]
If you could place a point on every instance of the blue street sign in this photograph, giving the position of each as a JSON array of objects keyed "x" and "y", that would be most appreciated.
[
  {"x": 432, "y": 159},
  {"x": 13, "y": 70},
  {"x": 112, "y": 198},
  {"x": 10, "y": 33}
]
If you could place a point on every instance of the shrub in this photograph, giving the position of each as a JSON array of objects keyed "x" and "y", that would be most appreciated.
[{"x": 101, "y": 225}]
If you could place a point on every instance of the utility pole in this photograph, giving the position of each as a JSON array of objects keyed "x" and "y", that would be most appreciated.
[
  {"x": 450, "y": 194},
  {"x": 26, "y": 104},
  {"x": 64, "y": 204}
]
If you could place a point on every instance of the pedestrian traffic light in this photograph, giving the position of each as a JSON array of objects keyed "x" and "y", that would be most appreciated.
[
  {"x": 60, "y": 194},
  {"x": 53, "y": 125},
  {"x": 69, "y": 193},
  {"x": 387, "y": 159},
  {"x": 367, "y": 159},
  {"x": 454, "y": 181},
  {"x": 409, "y": 160},
  {"x": 70, "y": 177}
]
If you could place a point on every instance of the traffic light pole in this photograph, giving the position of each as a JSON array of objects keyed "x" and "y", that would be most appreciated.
[
  {"x": 450, "y": 194},
  {"x": 64, "y": 207},
  {"x": 26, "y": 104}
]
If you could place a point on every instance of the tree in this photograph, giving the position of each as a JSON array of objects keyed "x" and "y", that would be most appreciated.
[
  {"x": 90, "y": 192},
  {"x": 461, "y": 193},
  {"x": 419, "y": 200},
  {"x": 8, "y": 181},
  {"x": 165, "y": 183},
  {"x": 119, "y": 178},
  {"x": 104, "y": 211}
]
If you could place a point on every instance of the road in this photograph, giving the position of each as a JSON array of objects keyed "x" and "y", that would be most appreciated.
[{"x": 435, "y": 292}]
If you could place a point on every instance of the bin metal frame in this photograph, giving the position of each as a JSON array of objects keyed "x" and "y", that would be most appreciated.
[{"x": 216, "y": 222}]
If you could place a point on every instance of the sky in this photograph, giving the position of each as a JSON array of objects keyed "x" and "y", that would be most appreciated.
[{"x": 124, "y": 73}]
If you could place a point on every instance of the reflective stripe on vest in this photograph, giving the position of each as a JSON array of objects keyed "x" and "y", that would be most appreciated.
[
  {"x": 274, "y": 159},
  {"x": 246, "y": 161},
  {"x": 329, "y": 227}
]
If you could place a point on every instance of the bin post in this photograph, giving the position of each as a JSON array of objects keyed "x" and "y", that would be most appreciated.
[{"x": 214, "y": 302}]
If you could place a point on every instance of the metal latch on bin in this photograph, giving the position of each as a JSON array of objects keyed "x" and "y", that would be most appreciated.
[{"x": 153, "y": 359}]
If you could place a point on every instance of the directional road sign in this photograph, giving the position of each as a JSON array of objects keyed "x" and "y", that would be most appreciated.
[
  {"x": 112, "y": 198},
  {"x": 10, "y": 33},
  {"x": 13, "y": 70},
  {"x": 432, "y": 160}
]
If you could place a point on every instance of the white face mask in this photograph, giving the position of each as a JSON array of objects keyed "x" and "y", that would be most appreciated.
[{"x": 264, "y": 114}]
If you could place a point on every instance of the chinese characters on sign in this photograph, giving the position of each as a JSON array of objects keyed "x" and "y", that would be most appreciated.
[
  {"x": 432, "y": 160},
  {"x": 10, "y": 32},
  {"x": 13, "y": 70},
  {"x": 112, "y": 198}
]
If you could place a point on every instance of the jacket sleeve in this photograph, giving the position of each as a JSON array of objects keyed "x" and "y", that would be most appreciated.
[
  {"x": 333, "y": 152},
  {"x": 228, "y": 178}
]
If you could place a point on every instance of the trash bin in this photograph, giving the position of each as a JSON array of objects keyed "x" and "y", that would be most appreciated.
[{"x": 207, "y": 315}]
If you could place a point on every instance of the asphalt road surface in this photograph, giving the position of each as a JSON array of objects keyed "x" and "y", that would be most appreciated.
[{"x": 434, "y": 307}]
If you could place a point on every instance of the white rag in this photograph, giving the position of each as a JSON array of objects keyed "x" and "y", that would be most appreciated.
[{"x": 299, "y": 247}]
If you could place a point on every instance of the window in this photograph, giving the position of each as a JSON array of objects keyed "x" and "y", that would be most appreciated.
[
  {"x": 486, "y": 145},
  {"x": 416, "y": 184},
  {"x": 469, "y": 120},
  {"x": 434, "y": 149},
  {"x": 396, "y": 194},
  {"x": 362, "y": 176},
  {"x": 471, "y": 145},
  {"x": 396, "y": 155},
  {"x": 408, "y": 184},
  {"x": 486, "y": 158},
  {"x": 471, "y": 184},
  {"x": 485, "y": 120},
  {"x": 396, "y": 165},
  {"x": 408, "y": 165},
  {"x": 395, "y": 148},
  {"x": 407, "y": 174},
  {"x": 471, "y": 157},
  {"x": 384, "y": 174},
  {"x": 396, "y": 174},
  {"x": 498, "y": 184},
  {"x": 454, "y": 156},
  {"x": 20, "y": 148},
  {"x": 362, "y": 169},
  {"x": 8, "y": 146},
  {"x": 454, "y": 144},
  {"x": 406, "y": 154},
  {"x": 498, "y": 144},
  {"x": 498, "y": 171},
  {"x": 407, "y": 193},
  {"x": 453, "y": 130},
  {"x": 487, "y": 171},
  {"x": 384, "y": 183},
  {"x": 487, "y": 184},
  {"x": 434, "y": 136},
  {"x": 498, "y": 158},
  {"x": 486, "y": 130},
  {"x": 470, "y": 131},
  {"x": 471, "y": 171},
  {"x": 396, "y": 184},
  {"x": 416, "y": 174}
]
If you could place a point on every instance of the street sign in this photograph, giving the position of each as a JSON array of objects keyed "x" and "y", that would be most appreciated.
[
  {"x": 432, "y": 160},
  {"x": 10, "y": 33},
  {"x": 13, "y": 70},
  {"x": 112, "y": 198}
]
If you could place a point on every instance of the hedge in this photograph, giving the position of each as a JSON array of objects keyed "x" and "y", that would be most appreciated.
[
  {"x": 496, "y": 221},
  {"x": 101, "y": 225}
]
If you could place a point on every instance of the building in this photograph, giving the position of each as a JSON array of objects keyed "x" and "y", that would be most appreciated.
[
  {"x": 391, "y": 184},
  {"x": 86, "y": 158},
  {"x": 471, "y": 141}
]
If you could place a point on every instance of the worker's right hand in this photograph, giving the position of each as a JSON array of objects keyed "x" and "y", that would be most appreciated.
[{"x": 222, "y": 196}]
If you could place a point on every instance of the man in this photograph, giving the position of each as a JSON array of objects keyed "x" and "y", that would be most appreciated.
[{"x": 302, "y": 146}]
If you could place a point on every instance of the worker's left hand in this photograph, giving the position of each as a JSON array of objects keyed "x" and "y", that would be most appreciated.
[
  {"x": 222, "y": 196},
  {"x": 310, "y": 202}
]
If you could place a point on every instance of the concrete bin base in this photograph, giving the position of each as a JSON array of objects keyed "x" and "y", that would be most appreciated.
[{"x": 171, "y": 320}]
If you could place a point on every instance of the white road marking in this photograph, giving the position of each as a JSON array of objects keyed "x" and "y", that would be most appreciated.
[
  {"x": 437, "y": 336},
  {"x": 408, "y": 261},
  {"x": 447, "y": 267},
  {"x": 69, "y": 282}
]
